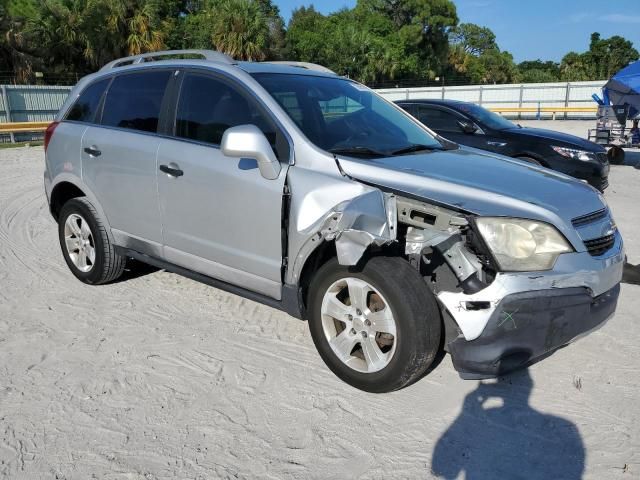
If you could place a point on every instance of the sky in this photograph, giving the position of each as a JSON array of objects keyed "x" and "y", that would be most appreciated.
[{"x": 531, "y": 29}]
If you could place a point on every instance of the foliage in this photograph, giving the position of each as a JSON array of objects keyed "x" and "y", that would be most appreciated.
[
  {"x": 475, "y": 55},
  {"x": 537, "y": 71},
  {"x": 603, "y": 59},
  {"x": 376, "y": 42}
]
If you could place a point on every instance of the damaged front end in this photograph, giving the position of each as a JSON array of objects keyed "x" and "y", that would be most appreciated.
[{"x": 495, "y": 320}]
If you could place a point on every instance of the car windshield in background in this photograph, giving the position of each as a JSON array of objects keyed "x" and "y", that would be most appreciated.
[
  {"x": 482, "y": 115},
  {"x": 343, "y": 117}
]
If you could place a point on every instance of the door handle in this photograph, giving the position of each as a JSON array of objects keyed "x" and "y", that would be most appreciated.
[
  {"x": 173, "y": 171},
  {"x": 93, "y": 151},
  {"x": 497, "y": 144}
]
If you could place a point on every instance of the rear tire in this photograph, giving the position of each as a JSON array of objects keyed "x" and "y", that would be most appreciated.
[
  {"x": 394, "y": 332},
  {"x": 616, "y": 155},
  {"x": 85, "y": 245}
]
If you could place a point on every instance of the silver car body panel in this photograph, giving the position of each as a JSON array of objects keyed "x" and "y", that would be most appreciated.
[
  {"x": 124, "y": 178},
  {"x": 221, "y": 210},
  {"x": 231, "y": 234},
  {"x": 491, "y": 186},
  {"x": 579, "y": 269}
]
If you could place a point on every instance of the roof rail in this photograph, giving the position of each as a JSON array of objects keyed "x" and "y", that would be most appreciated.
[
  {"x": 307, "y": 65},
  {"x": 210, "y": 55}
]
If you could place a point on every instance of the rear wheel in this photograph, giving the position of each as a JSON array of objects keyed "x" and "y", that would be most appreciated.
[
  {"x": 86, "y": 247},
  {"x": 379, "y": 328},
  {"x": 616, "y": 155}
]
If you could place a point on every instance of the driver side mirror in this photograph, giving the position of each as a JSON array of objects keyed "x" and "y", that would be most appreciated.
[
  {"x": 467, "y": 127},
  {"x": 248, "y": 141}
]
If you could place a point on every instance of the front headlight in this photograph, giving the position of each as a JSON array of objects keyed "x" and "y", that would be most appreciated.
[
  {"x": 575, "y": 154},
  {"x": 522, "y": 245}
]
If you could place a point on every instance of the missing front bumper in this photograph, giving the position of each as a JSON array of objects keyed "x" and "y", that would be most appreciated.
[{"x": 528, "y": 326}]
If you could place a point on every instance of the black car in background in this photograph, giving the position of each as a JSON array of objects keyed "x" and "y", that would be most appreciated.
[{"x": 474, "y": 126}]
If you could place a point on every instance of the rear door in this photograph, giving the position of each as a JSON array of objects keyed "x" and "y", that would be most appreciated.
[
  {"x": 119, "y": 157},
  {"x": 220, "y": 216}
]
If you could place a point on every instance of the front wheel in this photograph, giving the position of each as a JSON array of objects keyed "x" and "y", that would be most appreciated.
[{"x": 378, "y": 329}]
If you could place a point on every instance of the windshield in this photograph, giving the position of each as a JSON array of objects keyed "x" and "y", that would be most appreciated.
[
  {"x": 341, "y": 116},
  {"x": 486, "y": 117}
]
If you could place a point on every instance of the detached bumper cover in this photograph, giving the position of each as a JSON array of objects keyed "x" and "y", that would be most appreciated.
[{"x": 527, "y": 326}]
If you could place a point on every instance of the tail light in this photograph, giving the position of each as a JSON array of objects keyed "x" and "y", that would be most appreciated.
[{"x": 48, "y": 133}]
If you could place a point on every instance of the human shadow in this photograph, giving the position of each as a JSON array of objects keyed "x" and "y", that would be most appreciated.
[
  {"x": 499, "y": 435},
  {"x": 631, "y": 274}
]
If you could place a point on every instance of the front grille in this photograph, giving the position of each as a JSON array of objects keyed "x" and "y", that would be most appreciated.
[
  {"x": 602, "y": 157},
  {"x": 589, "y": 218},
  {"x": 599, "y": 246}
]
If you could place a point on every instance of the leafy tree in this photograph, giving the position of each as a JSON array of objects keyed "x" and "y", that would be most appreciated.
[
  {"x": 307, "y": 35},
  {"x": 537, "y": 71},
  {"x": 473, "y": 39},
  {"x": 475, "y": 55},
  {"x": 603, "y": 59}
]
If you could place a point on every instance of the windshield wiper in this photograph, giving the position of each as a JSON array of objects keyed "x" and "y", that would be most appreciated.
[
  {"x": 417, "y": 147},
  {"x": 358, "y": 150}
]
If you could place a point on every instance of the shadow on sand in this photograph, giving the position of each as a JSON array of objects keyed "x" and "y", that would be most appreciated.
[
  {"x": 631, "y": 274},
  {"x": 498, "y": 435}
]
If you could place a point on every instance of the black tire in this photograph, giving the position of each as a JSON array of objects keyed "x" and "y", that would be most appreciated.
[
  {"x": 616, "y": 155},
  {"x": 108, "y": 265},
  {"x": 416, "y": 314},
  {"x": 530, "y": 160}
]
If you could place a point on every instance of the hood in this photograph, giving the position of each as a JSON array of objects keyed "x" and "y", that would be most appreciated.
[
  {"x": 563, "y": 139},
  {"x": 482, "y": 184}
]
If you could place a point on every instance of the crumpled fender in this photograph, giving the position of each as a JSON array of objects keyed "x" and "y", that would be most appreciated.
[
  {"x": 368, "y": 218},
  {"x": 356, "y": 224}
]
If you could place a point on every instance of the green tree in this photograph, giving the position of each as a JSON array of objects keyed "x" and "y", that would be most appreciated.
[
  {"x": 473, "y": 39},
  {"x": 537, "y": 71},
  {"x": 475, "y": 56},
  {"x": 307, "y": 35},
  {"x": 603, "y": 59},
  {"x": 378, "y": 40},
  {"x": 240, "y": 29}
]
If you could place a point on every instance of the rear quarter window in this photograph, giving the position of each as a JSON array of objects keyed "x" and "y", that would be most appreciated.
[
  {"x": 85, "y": 108},
  {"x": 134, "y": 100}
]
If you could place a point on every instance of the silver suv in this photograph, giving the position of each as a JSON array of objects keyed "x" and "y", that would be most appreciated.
[{"x": 308, "y": 192}]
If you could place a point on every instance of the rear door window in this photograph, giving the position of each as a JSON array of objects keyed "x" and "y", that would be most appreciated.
[
  {"x": 85, "y": 108},
  {"x": 438, "y": 119},
  {"x": 134, "y": 100}
]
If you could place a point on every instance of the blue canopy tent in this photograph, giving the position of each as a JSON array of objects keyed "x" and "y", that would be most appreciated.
[{"x": 624, "y": 89}]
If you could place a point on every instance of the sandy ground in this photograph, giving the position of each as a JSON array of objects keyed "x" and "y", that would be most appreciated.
[{"x": 158, "y": 376}]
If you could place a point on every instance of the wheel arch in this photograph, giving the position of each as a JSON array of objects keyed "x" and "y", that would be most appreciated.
[
  {"x": 67, "y": 187},
  {"x": 535, "y": 156},
  {"x": 61, "y": 194},
  {"x": 324, "y": 252}
]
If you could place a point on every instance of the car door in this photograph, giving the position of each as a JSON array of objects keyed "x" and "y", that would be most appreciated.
[
  {"x": 119, "y": 157},
  {"x": 220, "y": 216},
  {"x": 455, "y": 126},
  {"x": 447, "y": 123}
]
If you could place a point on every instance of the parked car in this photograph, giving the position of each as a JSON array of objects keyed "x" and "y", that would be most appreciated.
[
  {"x": 310, "y": 193},
  {"x": 475, "y": 126}
]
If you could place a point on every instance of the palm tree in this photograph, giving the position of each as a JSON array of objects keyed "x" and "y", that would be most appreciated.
[{"x": 240, "y": 29}]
